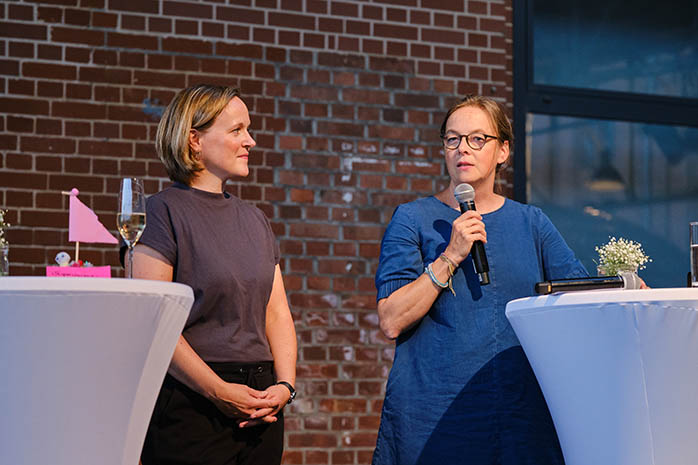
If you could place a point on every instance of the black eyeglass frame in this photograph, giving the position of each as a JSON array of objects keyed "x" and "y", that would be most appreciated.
[{"x": 487, "y": 137}]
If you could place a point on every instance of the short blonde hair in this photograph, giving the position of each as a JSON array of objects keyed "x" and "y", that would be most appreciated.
[
  {"x": 496, "y": 114},
  {"x": 195, "y": 107}
]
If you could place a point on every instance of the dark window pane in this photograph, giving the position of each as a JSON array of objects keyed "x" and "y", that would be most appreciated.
[
  {"x": 598, "y": 178},
  {"x": 644, "y": 47}
]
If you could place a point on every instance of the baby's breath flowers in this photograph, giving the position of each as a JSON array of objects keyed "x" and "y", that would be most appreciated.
[
  {"x": 3, "y": 228},
  {"x": 621, "y": 254}
]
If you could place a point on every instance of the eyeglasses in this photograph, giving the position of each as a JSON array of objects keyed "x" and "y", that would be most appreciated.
[{"x": 476, "y": 140}]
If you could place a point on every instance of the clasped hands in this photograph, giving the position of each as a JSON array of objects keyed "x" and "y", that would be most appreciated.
[{"x": 249, "y": 406}]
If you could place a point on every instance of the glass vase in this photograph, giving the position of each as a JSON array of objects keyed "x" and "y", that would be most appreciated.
[
  {"x": 4, "y": 260},
  {"x": 630, "y": 278},
  {"x": 614, "y": 270},
  {"x": 628, "y": 273}
]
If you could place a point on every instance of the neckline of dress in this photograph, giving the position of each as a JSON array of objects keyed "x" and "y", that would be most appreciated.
[{"x": 506, "y": 201}]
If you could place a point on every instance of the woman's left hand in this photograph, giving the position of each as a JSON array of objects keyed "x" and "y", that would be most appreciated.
[{"x": 276, "y": 392}]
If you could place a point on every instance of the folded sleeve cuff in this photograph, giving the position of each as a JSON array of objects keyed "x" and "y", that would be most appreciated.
[{"x": 387, "y": 288}]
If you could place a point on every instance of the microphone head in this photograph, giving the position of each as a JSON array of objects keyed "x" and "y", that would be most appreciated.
[{"x": 464, "y": 193}]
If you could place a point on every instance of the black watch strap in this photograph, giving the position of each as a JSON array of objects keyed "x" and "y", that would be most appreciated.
[{"x": 290, "y": 388}]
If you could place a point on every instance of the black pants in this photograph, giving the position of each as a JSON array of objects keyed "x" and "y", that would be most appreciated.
[{"x": 188, "y": 429}]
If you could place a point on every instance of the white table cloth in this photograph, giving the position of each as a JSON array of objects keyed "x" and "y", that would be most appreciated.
[
  {"x": 619, "y": 371},
  {"x": 81, "y": 363}
]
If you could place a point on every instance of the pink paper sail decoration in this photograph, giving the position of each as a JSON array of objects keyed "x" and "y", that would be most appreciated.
[{"x": 83, "y": 226}]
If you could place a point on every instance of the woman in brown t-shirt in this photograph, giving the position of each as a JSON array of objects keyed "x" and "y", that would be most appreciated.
[{"x": 233, "y": 369}]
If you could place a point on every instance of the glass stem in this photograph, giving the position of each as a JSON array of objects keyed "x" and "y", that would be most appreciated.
[{"x": 130, "y": 261}]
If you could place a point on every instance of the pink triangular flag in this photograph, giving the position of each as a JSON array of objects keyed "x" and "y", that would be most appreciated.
[{"x": 84, "y": 226}]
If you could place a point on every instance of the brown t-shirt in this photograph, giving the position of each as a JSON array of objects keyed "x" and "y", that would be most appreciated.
[{"x": 225, "y": 250}]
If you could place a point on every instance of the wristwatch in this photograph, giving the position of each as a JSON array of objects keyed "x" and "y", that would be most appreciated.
[{"x": 290, "y": 388}]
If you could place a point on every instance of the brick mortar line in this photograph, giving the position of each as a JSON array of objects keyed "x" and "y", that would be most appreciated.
[
  {"x": 214, "y": 56},
  {"x": 415, "y": 73},
  {"x": 213, "y": 40},
  {"x": 208, "y": 38}
]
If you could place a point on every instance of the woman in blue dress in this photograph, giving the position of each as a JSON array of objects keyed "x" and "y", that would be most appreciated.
[{"x": 461, "y": 390}]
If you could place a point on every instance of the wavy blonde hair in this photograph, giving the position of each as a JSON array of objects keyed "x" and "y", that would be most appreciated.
[
  {"x": 495, "y": 113},
  {"x": 195, "y": 107}
]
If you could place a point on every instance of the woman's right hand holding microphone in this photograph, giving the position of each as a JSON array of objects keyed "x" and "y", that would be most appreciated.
[{"x": 466, "y": 229}]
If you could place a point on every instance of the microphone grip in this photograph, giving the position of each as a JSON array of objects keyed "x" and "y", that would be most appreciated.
[
  {"x": 481, "y": 265},
  {"x": 478, "y": 250}
]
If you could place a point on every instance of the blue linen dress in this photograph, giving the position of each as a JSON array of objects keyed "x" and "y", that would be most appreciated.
[{"x": 461, "y": 390}]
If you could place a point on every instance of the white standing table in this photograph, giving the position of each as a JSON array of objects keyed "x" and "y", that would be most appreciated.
[
  {"x": 619, "y": 371},
  {"x": 81, "y": 364}
]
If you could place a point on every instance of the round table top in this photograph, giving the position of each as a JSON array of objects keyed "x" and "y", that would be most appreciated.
[
  {"x": 42, "y": 283},
  {"x": 603, "y": 296}
]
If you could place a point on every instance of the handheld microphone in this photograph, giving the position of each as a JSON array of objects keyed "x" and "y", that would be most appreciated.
[
  {"x": 465, "y": 196},
  {"x": 626, "y": 281}
]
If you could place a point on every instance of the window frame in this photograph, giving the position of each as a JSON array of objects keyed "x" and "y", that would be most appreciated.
[{"x": 569, "y": 101}]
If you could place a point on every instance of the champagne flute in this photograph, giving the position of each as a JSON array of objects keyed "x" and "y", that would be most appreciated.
[{"x": 130, "y": 218}]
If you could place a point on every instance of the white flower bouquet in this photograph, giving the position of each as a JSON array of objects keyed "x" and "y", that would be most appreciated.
[{"x": 621, "y": 255}]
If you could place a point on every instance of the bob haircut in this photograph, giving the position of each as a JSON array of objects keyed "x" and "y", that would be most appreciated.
[
  {"x": 494, "y": 112},
  {"x": 195, "y": 107}
]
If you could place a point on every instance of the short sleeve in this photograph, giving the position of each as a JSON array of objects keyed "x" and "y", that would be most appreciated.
[
  {"x": 159, "y": 232},
  {"x": 401, "y": 259},
  {"x": 559, "y": 261}
]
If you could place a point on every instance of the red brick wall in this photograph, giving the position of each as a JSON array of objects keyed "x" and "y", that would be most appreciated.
[{"x": 346, "y": 100}]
